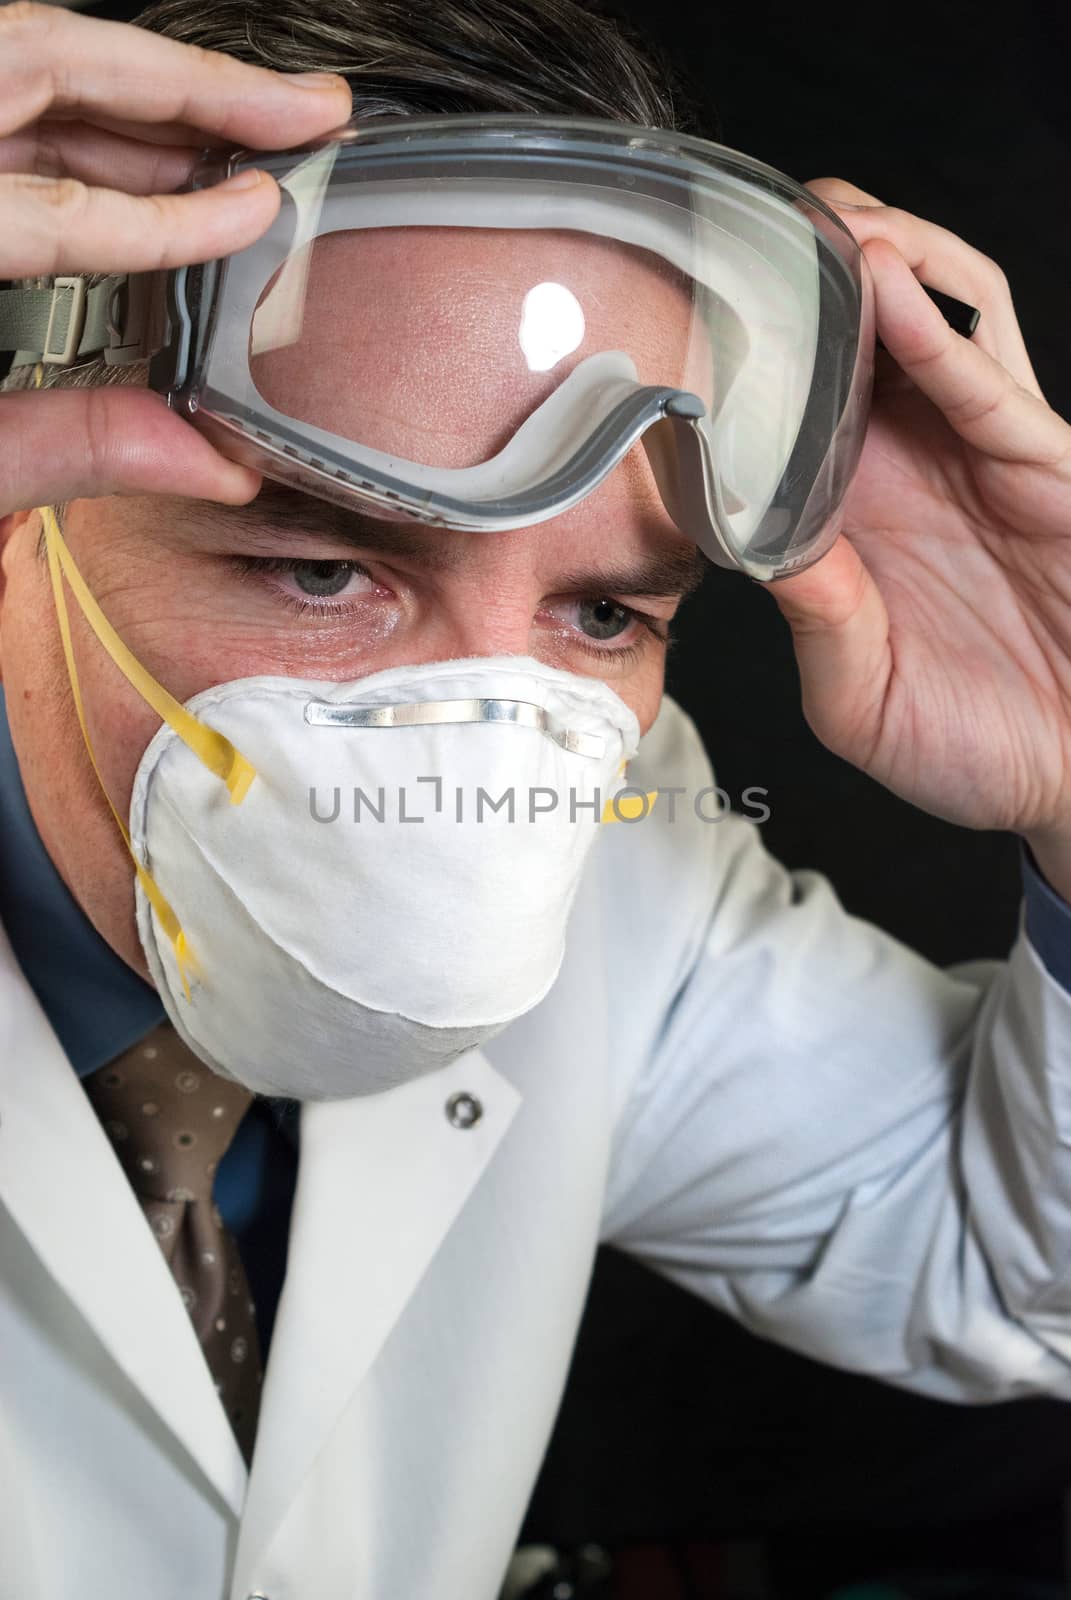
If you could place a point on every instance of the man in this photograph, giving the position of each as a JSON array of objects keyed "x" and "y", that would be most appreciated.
[{"x": 773, "y": 1103}]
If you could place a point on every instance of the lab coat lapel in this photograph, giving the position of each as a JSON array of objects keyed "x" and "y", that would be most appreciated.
[
  {"x": 401, "y": 1465},
  {"x": 381, "y": 1180},
  {"x": 63, "y": 1183}
]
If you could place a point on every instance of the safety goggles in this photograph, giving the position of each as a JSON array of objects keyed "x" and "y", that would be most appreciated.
[{"x": 470, "y": 321}]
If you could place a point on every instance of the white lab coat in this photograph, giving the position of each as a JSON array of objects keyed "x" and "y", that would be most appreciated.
[{"x": 772, "y": 1102}]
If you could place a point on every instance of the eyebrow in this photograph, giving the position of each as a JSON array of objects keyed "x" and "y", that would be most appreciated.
[{"x": 662, "y": 573}]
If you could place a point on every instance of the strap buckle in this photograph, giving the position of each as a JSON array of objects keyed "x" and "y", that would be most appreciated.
[
  {"x": 134, "y": 316},
  {"x": 76, "y": 322}
]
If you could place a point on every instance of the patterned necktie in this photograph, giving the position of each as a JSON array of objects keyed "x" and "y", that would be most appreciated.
[{"x": 171, "y": 1120}]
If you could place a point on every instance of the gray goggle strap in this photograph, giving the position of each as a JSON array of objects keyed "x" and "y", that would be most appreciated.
[
  {"x": 119, "y": 318},
  {"x": 521, "y": 713}
]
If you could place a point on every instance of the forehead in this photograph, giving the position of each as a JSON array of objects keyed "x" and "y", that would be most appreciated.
[{"x": 435, "y": 344}]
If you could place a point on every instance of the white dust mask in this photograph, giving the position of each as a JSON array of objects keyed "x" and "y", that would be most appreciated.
[{"x": 395, "y": 885}]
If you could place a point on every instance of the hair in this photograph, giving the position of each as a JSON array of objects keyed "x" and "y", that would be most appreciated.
[{"x": 541, "y": 57}]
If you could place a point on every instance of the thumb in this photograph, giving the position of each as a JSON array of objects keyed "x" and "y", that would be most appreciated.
[
  {"x": 840, "y": 633},
  {"x": 65, "y": 444}
]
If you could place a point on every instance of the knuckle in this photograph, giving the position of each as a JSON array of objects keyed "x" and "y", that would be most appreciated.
[
  {"x": 158, "y": 212},
  {"x": 974, "y": 408},
  {"x": 204, "y": 63},
  {"x": 66, "y": 197},
  {"x": 26, "y": 56},
  {"x": 44, "y": 212},
  {"x": 996, "y": 272},
  {"x": 197, "y": 62},
  {"x": 24, "y": 18},
  {"x": 204, "y": 60},
  {"x": 100, "y": 431}
]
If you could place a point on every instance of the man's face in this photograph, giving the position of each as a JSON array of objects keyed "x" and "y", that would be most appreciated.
[{"x": 292, "y": 586}]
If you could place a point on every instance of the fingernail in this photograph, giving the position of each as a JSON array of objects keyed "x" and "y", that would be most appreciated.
[
  {"x": 313, "y": 80},
  {"x": 247, "y": 179}
]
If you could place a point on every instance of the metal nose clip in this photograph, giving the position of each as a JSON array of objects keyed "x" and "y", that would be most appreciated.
[{"x": 522, "y": 713}]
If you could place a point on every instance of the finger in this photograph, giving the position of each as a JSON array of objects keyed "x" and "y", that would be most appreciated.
[
  {"x": 66, "y": 443},
  {"x": 978, "y": 396},
  {"x": 944, "y": 261},
  {"x": 838, "y": 191},
  {"x": 177, "y": 134},
  {"x": 840, "y": 634},
  {"x": 52, "y": 57},
  {"x": 57, "y": 225},
  {"x": 181, "y": 135},
  {"x": 74, "y": 149},
  {"x": 930, "y": 250}
]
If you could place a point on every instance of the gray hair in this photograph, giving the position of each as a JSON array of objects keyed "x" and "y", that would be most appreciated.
[{"x": 543, "y": 57}]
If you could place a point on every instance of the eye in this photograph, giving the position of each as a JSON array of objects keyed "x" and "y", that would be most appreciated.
[
  {"x": 602, "y": 619},
  {"x": 324, "y": 590},
  {"x": 606, "y": 629},
  {"x": 322, "y": 580}
]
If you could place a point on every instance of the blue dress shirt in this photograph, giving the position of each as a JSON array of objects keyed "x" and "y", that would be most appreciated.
[
  {"x": 1048, "y": 920},
  {"x": 99, "y": 1007}
]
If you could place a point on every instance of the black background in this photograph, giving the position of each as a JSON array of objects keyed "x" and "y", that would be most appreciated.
[{"x": 677, "y": 1424}]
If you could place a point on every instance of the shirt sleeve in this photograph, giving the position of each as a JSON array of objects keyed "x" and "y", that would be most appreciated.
[
  {"x": 856, "y": 1153},
  {"x": 1047, "y": 919}
]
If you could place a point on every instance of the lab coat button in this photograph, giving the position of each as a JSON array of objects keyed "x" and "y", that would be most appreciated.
[{"x": 463, "y": 1110}]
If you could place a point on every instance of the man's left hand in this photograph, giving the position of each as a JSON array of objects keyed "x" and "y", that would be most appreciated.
[{"x": 934, "y": 640}]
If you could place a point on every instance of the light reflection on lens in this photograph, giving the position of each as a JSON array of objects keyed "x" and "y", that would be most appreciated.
[{"x": 552, "y": 326}]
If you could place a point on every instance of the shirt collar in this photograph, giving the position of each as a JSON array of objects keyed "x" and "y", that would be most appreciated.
[{"x": 97, "y": 1005}]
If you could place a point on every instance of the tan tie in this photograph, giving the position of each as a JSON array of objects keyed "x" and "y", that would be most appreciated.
[{"x": 171, "y": 1119}]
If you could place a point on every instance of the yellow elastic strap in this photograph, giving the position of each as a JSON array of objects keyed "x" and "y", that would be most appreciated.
[
  {"x": 631, "y": 807},
  {"x": 212, "y": 748},
  {"x": 184, "y": 955},
  {"x": 57, "y": 549}
]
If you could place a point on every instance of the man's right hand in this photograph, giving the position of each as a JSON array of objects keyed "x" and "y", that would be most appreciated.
[{"x": 99, "y": 123}]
